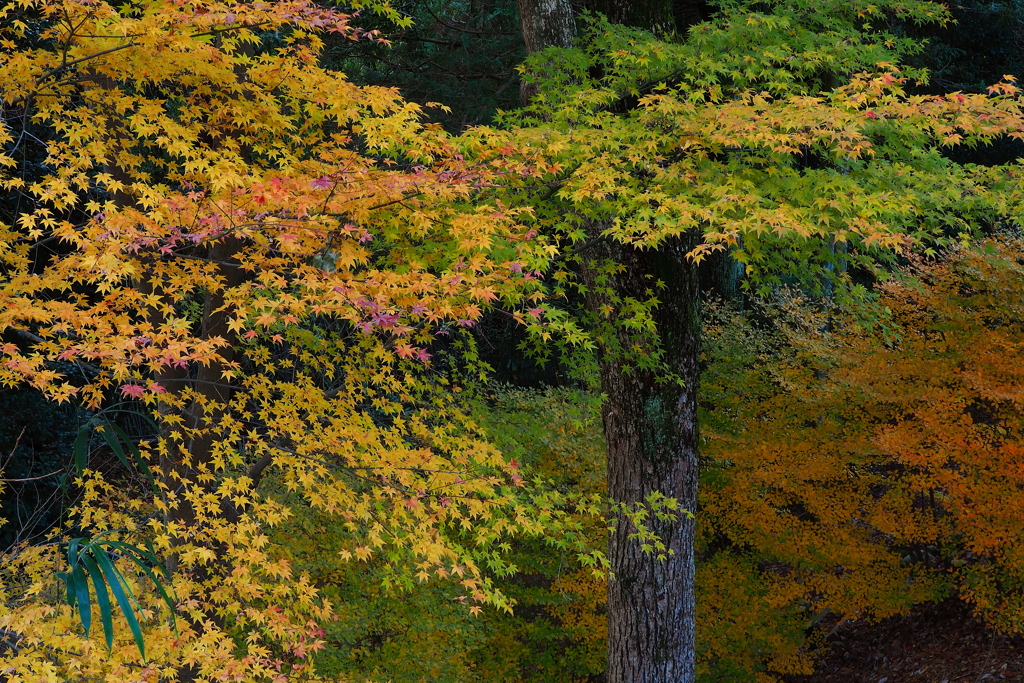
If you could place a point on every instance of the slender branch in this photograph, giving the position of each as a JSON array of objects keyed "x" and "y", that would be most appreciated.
[
  {"x": 417, "y": 39},
  {"x": 228, "y": 29},
  {"x": 569, "y": 254},
  {"x": 27, "y": 335},
  {"x": 41, "y": 476},
  {"x": 363, "y": 467},
  {"x": 58, "y": 69},
  {"x": 83, "y": 366},
  {"x": 64, "y": 65},
  {"x": 190, "y": 380},
  {"x": 201, "y": 258},
  {"x": 463, "y": 29}
]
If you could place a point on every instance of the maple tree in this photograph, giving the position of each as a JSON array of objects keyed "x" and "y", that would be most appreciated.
[
  {"x": 738, "y": 138},
  {"x": 418, "y": 632},
  {"x": 848, "y": 471},
  {"x": 284, "y": 267},
  {"x": 278, "y": 265}
]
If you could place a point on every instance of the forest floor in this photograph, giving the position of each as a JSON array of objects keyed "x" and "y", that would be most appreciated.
[{"x": 940, "y": 643}]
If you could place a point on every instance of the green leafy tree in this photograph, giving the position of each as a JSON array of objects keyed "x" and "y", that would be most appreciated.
[{"x": 781, "y": 131}]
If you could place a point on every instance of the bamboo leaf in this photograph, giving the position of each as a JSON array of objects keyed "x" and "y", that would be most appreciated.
[
  {"x": 81, "y": 447},
  {"x": 134, "y": 450},
  {"x": 102, "y": 598},
  {"x": 73, "y": 551},
  {"x": 92, "y": 555},
  {"x": 79, "y": 583},
  {"x": 124, "y": 599},
  {"x": 137, "y": 555},
  {"x": 108, "y": 436}
]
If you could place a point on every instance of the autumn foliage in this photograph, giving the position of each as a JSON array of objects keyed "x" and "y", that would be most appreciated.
[
  {"x": 858, "y": 471},
  {"x": 853, "y": 466},
  {"x": 851, "y": 469},
  {"x": 280, "y": 272},
  {"x": 277, "y": 265}
]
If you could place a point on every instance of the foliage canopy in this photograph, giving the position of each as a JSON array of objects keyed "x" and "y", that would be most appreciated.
[{"x": 283, "y": 269}]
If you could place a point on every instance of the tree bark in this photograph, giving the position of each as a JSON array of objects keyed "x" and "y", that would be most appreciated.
[
  {"x": 721, "y": 276},
  {"x": 545, "y": 23},
  {"x": 650, "y": 426}
]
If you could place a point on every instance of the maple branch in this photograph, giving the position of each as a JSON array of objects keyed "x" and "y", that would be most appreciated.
[
  {"x": 553, "y": 187},
  {"x": 259, "y": 467},
  {"x": 10, "y": 640},
  {"x": 191, "y": 380},
  {"x": 364, "y": 467},
  {"x": 569, "y": 254},
  {"x": 168, "y": 257},
  {"x": 44, "y": 241},
  {"x": 92, "y": 369},
  {"x": 227, "y": 29},
  {"x": 417, "y": 39},
  {"x": 401, "y": 199},
  {"x": 57, "y": 69},
  {"x": 27, "y": 335},
  {"x": 396, "y": 201},
  {"x": 463, "y": 29}
]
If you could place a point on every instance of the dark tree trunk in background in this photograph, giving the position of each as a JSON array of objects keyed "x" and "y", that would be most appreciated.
[
  {"x": 652, "y": 15},
  {"x": 689, "y": 12},
  {"x": 545, "y": 23},
  {"x": 650, "y": 415},
  {"x": 721, "y": 276}
]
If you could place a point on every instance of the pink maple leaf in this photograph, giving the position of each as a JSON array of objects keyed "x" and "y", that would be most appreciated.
[{"x": 133, "y": 390}]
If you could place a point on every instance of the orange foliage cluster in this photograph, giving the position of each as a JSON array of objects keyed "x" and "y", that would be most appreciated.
[{"x": 859, "y": 475}]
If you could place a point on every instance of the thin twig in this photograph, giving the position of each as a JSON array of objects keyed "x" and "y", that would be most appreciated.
[
  {"x": 569, "y": 254},
  {"x": 991, "y": 649},
  {"x": 463, "y": 29},
  {"x": 42, "y": 476}
]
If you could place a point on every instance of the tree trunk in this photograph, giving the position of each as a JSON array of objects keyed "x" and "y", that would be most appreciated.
[
  {"x": 689, "y": 12},
  {"x": 721, "y": 276},
  {"x": 650, "y": 414},
  {"x": 545, "y": 23},
  {"x": 656, "y": 16},
  {"x": 650, "y": 426}
]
